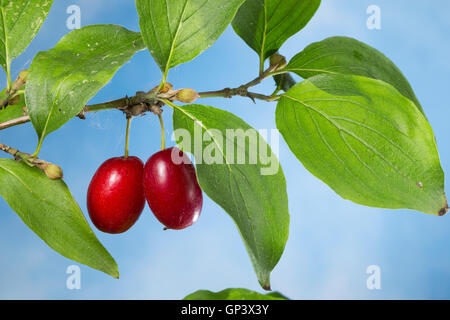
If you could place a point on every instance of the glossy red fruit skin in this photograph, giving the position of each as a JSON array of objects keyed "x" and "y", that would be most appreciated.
[
  {"x": 172, "y": 190},
  {"x": 115, "y": 198}
]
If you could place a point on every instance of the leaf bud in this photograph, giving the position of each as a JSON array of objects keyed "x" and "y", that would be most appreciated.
[
  {"x": 166, "y": 88},
  {"x": 277, "y": 61},
  {"x": 20, "y": 81},
  {"x": 187, "y": 95},
  {"x": 52, "y": 171}
]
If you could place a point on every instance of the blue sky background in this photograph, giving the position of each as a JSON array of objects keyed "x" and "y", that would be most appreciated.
[{"x": 332, "y": 241}]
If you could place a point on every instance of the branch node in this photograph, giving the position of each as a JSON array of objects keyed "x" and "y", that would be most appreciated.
[
  {"x": 251, "y": 97},
  {"x": 52, "y": 171},
  {"x": 156, "y": 109},
  {"x": 228, "y": 93}
]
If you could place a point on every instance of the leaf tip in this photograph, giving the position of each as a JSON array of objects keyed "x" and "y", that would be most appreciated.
[
  {"x": 264, "y": 281},
  {"x": 444, "y": 209},
  {"x": 267, "y": 287},
  {"x": 115, "y": 271}
]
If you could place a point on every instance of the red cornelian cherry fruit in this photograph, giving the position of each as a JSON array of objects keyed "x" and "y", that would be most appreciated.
[
  {"x": 115, "y": 197},
  {"x": 172, "y": 189}
]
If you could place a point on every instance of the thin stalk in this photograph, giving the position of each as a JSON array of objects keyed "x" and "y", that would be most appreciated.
[
  {"x": 38, "y": 148},
  {"x": 123, "y": 103},
  {"x": 25, "y": 157},
  {"x": 170, "y": 104},
  {"x": 8, "y": 150},
  {"x": 17, "y": 93},
  {"x": 14, "y": 122},
  {"x": 261, "y": 64},
  {"x": 228, "y": 93},
  {"x": 8, "y": 74},
  {"x": 115, "y": 104},
  {"x": 243, "y": 89},
  {"x": 277, "y": 89},
  {"x": 163, "y": 135},
  {"x": 127, "y": 136},
  {"x": 215, "y": 94},
  {"x": 107, "y": 105},
  {"x": 163, "y": 81}
]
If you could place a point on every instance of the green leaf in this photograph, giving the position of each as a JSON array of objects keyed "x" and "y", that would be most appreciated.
[
  {"x": 176, "y": 32},
  {"x": 254, "y": 195},
  {"x": 12, "y": 111},
  {"x": 234, "y": 294},
  {"x": 349, "y": 56},
  {"x": 20, "y": 21},
  {"x": 47, "y": 207},
  {"x": 266, "y": 24},
  {"x": 63, "y": 79},
  {"x": 365, "y": 140}
]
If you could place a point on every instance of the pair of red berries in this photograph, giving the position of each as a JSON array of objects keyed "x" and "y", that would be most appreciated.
[{"x": 117, "y": 192}]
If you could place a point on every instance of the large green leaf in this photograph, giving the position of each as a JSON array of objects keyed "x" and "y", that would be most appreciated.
[
  {"x": 47, "y": 207},
  {"x": 266, "y": 24},
  {"x": 14, "y": 111},
  {"x": 20, "y": 21},
  {"x": 365, "y": 140},
  {"x": 177, "y": 31},
  {"x": 234, "y": 294},
  {"x": 255, "y": 199},
  {"x": 63, "y": 79},
  {"x": 349, "y": 56}
]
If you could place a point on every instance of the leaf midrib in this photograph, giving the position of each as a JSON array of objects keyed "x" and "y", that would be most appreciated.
[
  {"x": 7, "y": 62},
  {"x": 20, "y": 15},
  {"x": 255, "y": 249},
  {"x": 18, "y": 178},
  {"x": 200, "y": 124},
  {"x": 263, "y": 41},
  {"x": 427, "y": 190},
  {"x": 105, "y": 260},
  {"x": 172, "y": 46}
]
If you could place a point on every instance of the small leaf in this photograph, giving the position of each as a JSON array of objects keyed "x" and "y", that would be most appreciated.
[
  {"x": 63, "y": 79},
  {"x": 266, "y": 24},
  {"x": 14, "y": 111},
  {"x": 20, "y": 21},
  {"x": 177, "y": 31},
  {"x": 365, "y": 140},
  {"x": 47, "y": 207},
  {"x": 349, "y": 56},
  {"x": 284, "y": 81},
  {"x": 254, "y": 195},
  {"x": 234, "y": 294}
]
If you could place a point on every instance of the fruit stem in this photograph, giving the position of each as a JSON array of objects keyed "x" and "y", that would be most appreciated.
[
  {"x": 163, "y": 136},
  {"x": 127, "y": 136}
]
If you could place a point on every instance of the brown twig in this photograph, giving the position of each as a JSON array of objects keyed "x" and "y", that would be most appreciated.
[
  {"x": 243, "y": 89},
  {"x": 151, "y": 101},
  {"x": 136, "y": 105},
  {"x": 9, "y": 150},
  {"x": 52, "y": 171},
  {"x": 14, "y": 122}
]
